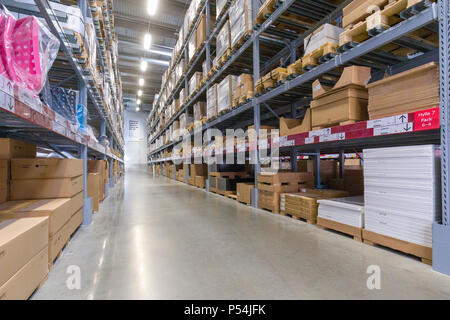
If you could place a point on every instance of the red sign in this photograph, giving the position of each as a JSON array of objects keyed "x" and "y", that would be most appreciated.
[{"x": 426, "y": 119}]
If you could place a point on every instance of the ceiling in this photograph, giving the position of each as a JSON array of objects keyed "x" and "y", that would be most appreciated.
[{"x": 131, "y": 24}]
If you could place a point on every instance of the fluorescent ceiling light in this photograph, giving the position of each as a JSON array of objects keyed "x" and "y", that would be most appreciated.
[
  {"x": 138, "y": 109},
  {"x": 138, "y": 101},
  {"x": 147, "y": 41},
  {"x": 141, "y": 82},
  {"x": 152, "y": 6},
  {"x": 143, "y": 65},
  {"x": 139, "y": 93}
]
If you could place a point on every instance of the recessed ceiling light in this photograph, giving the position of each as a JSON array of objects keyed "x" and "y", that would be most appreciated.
[
  {"x": 138, "y": 101},
  {"x": 139, "y": 93},
  {"x": 152, "y": 6},
  {"x": 138, "y": 109},
  {"x": 147, "y": 41},
  {"x": 143, "y": 65},
  {"x": 141, "y": 82}
]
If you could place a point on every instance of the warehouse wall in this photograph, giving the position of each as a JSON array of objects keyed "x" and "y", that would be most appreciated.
[{"x": 135, "y": 137}]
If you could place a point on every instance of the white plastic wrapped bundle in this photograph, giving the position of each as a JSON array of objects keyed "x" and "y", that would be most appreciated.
[
  {"x": 326, "y": 33},
  {"x": 240, "y": 20},
  {"x": 192, "y": 46},
  {"x": 179, "y": 70},
  {"x": 220, "y": 4},
  {"x": 225, "y": 93},
  {"x": 211, "y": 102},
  {"x": 223, "y": 41},
  {"x": 199, "y": 111},
  {"x": 182, "y": 96},
  {"x": 194, "y": 82}
]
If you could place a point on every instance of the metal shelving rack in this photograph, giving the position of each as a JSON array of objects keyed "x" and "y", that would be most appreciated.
[
  {"x": 28, "y": 119},
  {"x": 283, "y": 100}
]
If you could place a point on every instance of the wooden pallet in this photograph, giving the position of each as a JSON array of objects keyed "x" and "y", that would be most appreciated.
[
  {"x": 295, "y": 69},
  {"x": 267, "y": 208},
  {"x": 242, "y": 40},
  {"x": 372, "y": 238},
  {"x": 325, "y": 224},
  {"x": 243, "y": 202},
  {"x": 224, "y": 58},
  {"x": 295, "y": 217},
  {"x": 265, "y": 11},
  {"x": 320, "y": 55},
  {"x": 383, "y": 19}
]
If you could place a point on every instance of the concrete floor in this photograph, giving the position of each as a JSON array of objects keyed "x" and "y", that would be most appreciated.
[{"x": 155, "y": 238}]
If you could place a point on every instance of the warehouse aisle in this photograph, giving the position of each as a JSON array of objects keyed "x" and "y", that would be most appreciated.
[{"x": 155, "y": 238}]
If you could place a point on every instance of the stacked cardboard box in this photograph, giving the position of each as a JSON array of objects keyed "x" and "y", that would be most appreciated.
[
  {"x": 225, "y": 93},
  {"x": 199, "y": 112},
  {"x": 24, "y": 258},
  {"x": 345, "y": 103},
  {"x": 223, "y": 42},
  {"x": 64, "y": 217},
  {"x": 100, "y": 167},
  {"x": 201, "y": 30},
  {"x": 244, "y": 89},
  {"x": 194, "y": 82},
  {"x": 4, "y": 180},
  {"x": 244, "y": 192},
  {"x": 409, "y": 91},
  {"x": 304, "y": 204},
  {"x": 294, "y": 126},
  {"x": 271, "y": 185}
]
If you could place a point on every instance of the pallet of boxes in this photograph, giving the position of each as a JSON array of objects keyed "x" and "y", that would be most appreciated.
[
  {"x": 44, "y": 209},
  {"x": 96, "y": 181}
]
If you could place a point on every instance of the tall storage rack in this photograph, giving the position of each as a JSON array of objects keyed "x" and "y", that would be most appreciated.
[
  {"x": 284, "y": 99},
  {"x": 28, "y": 120}
]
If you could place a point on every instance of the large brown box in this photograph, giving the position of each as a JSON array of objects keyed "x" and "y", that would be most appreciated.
[
  {"x": 409, "y": 91},
  {"x": 46, "y": 188},
  {"x": 200, "y": 181},
  {"x": 20, "y": 241},
  {"x": 357, "y": 10},
  {"x": 100, "y": 167},
  {"x": 93, "y": 189},
  {"x": 329, "y": 169},
  {"x": 11, "y": 148},
  {"x": 58, "y": 211},
  {"x": 294, "y": 126},
  {"x": 199, "y": 170},
  {"x": 244, "y": 192},
  {"x": 24, "y": 282},
  {"x": 45, "y": 168},
  {"x": 269, "y": 200},
  {"x": 345, "y": 102},
  {"x": 60, "y": 239}
]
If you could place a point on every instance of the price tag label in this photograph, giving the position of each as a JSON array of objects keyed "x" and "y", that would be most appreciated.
[{"x": 426, "y": 119}]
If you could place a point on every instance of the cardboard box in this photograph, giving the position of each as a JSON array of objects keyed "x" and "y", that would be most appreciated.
[
  {"x": 20, "y": 241},
  {"x": 294, "y": 126},
  {"x": 46, "y": 188},
  {"x": 200, "y": 181},
  {"x": 58, "y": 211},
  {"x": 23, "y": 283},
  {"x": 244, "y": 192},
  {"x": 45, "y": 168},
  {"x": 93, "y": 185},
  {"x": 100, "y": 167},
  {"x": 199, "y": 170},
  {"x": 329, "y": 169},
  {"x": 4, "y": 180},
  {"x": 11, "y": 148}
]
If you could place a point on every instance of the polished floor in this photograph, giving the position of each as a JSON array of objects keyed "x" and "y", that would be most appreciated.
[{"x": 155, "y": 238}]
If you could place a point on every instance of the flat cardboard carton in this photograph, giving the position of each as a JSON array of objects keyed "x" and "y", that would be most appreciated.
[
  {"x": 46, "y": 188},
  {"x": 59, "y": 211},
  {"x": 45, "y": 168},
  {"x": 23, "y": 283},
  {"x": 4, "y": 173},
  {"x": 11, "y": 148},
  {"x": 244, "y": 192},
  {"x": 20, "y": 241},
  {"x": 294, "y": 126}
]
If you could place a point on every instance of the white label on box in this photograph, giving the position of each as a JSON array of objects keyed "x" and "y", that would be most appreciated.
[
  {"x": 7, "y": 102},
  {"x": 6, "y": 86},
  {"x": 309, "y": 140},
  {"x": 288, "y": 143},
  {"x": 396, "y": 128},
  {"x": 332, "y": 137},
  {"x": 388, "y": 121},
  {"x": 321, "y": 132}
]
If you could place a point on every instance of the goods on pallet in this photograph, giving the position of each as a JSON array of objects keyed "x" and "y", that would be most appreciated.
[
  {"x": 194, "y": 82},
  {"x": 348, "y": 211},
  {"x": 353, "y": 180},
  {"x": 199, "y": 170},
  {"x": 225, "y": 94},
  {"x": 223, "y": 44},
  {"x": 226, "y": 185},
  {"x": 244, "y": 89},
  {"x": 244, "y": 192},
  {"x": 45, "y": 178},
  {"x": 271, "y": 185},
  {"x": 328, "y": 169},
  {"x": 184, "y": 122},
  {"x": 345, "y": 103},
  {"x": 28, "y": 50},
  {"x": 100, "y": 167},
  {"x": 295, "y": 126},
  {"x": 320, "y": 46},
  {"x": 271, "y": 80},
  {"x": 179, "y": 69},
  {"x": 408, "y": 91},
  {"x": 192, "y": 43},
  {"x": 304, "y": 204},
  {"x": 201, "y": 31},
  {"x": 200, "y": 181},
  {"x": 93, "y": 189},
  {"x": 24, "y": 263},
  {"x": 11, "y": 148},
  {"x": 241, "y": 24},
  {"x": 199, "y": 111},
  {"x": 402, "y": 196}
]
